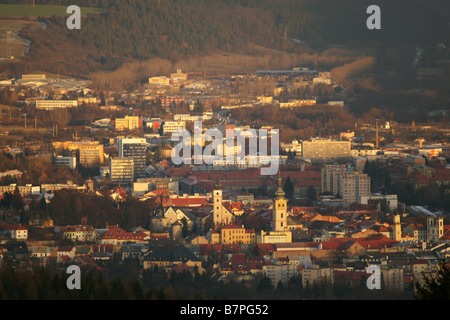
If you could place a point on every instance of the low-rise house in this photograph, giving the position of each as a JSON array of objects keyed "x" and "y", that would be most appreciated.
[
  {"x": 133, "y": 251},
  {"x": 117, "y": 236},
  {"x": 15, "y": 232},
  {"x": 417, "y": 231},
  {"x": 40, "y": 252},
  {"x": 190, "y": 266},
  {"x": 81, "y": 233},
  {"x": 65, "y": 252},
  {"x": 168, "y": 254}
]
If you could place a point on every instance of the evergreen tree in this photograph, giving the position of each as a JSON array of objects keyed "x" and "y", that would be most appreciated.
[
  {"x": 435, "y": 287},
  {"x": 289, "y": 189}
]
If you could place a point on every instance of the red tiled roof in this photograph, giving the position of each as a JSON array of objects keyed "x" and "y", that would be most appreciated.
[{"x": 184, "y": 202}]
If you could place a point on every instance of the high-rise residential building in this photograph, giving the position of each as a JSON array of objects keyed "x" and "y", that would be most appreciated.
[
  {"x": 91, "y": 154},
  {"x": 343, "y": 182},
  {"x": 331, "y": 178},
  {"x": 322, "y": 149},
  {"x": 135, "y": 148},
  {"x": 392, "y": 277},
  {"x": 354, "y": 185},
  {"x": 121, "y": 170}
]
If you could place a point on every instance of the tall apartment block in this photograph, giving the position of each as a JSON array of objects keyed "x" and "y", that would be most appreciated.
[
  {"x": 121, "y": 170},
  {"x": 136, "y": 149},
  {"x": 343, "y": 182},
  {"x": 89, "y": 153},
  {"x": 331, "y": 178},
  {"x": 353, "y": 186}
]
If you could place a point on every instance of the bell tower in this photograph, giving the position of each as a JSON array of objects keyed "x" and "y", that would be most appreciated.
[
  {"x": 279, "y": 209},
  {"x": 217, "y": 203},
  {"x": 397, "y": 230}
]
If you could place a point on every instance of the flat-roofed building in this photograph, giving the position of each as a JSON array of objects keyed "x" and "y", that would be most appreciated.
[
  {"x": 354, "y": 185},
  {"x": 135, "y": 148},
  {"x": 171, "y": 126},
  {"x": 121, "y": 170},
  {"x": 55, "y": 104},
  {"x": 91, "y": 154},
  {"x": 128, "y": 123},
  {"x": 33, "y": 77},
  {"x": 330, "y": 177},
  {"x": 24, "y": 190},
  {"x": 71, "y": 162},
  {"x": 326, "y": 149},
  {"x": 316, "y": 275},
  {"x": 159, "y": 81}
]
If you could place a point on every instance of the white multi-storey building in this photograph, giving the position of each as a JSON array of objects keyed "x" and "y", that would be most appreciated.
[{"x": 55, "y": 104}]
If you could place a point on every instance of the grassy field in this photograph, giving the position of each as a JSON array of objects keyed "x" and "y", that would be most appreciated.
[
  {"x": 17, "y": 45},
  {"x": 22, "y": 10}
]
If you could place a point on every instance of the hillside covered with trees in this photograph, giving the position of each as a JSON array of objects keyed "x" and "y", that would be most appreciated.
[{"x": 178, "y": 29}]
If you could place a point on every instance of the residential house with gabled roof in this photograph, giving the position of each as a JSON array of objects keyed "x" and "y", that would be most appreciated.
[
  {"x": 86, "y": 263},
  {"x": 417, "y": 231},
  {"x": 174, "y": 214},
  {"x": 15, "y": 232},
  {"x": 184, "y": 202}
]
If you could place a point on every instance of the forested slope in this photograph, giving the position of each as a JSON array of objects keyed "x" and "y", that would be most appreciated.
[{"x": 176, "y": 29}]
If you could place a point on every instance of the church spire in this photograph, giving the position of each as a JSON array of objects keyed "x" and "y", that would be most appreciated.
[
  {"x": 218, "y": 185},
  {"x": 279, "y": 193}
]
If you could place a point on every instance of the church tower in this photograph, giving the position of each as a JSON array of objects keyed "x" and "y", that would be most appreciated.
[
  {"x": 217, "y": 203},
  {"x": 279, "y": 209},
  {"x": 397, "y": 230}
]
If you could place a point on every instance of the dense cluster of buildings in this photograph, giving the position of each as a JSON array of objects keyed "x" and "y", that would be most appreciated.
[{"x": 229, "y": 219}]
